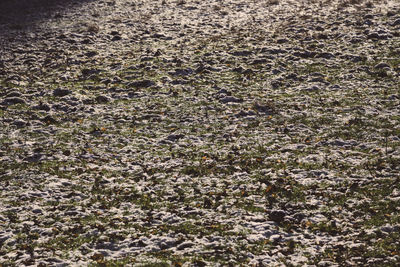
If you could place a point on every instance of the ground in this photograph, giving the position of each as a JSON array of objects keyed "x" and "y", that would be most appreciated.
[{"x": 200, "y": 133}]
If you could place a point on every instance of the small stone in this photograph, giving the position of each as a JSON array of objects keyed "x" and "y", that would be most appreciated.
[
  {"x": 91, "y": 54},
  {"x": 158, "y": 53},
  {"x": 223, "y": 92},
  {"x": 20, "y": 123},
  {"x": 389, "y": 228},
  {"x": 174, "y": 137},
  {"x": 273, "y": 51},
  {"x": 13, "y": 101},
  {"x": 87, "y": 72},
  {"x": 86, "y": 41},
  {"x": 396, "y": 22},
  {"x": 259, "y": 61},
  {"x": 242, "y": 53},
  {"x": 144, "y": 59},
  {"x": 116, "y": 38},
  {"x": 38, "y": 150},
  {"x": 231, "y": 99},
  {"x": 275, "y": 238},
  {"x": 34, "y": 158},
  {"x": 267, "y": 108},
  {"x": 199, "y": 263},
  {"x": 179, "y": 82},
  {"x": 138, "y": 243},
  {"x": 369, "y": 16},
  {"x": 313, "y": 88},
  {"x": 377, "y": 36},
  {"x": 102, "y": 99},
  {"x": 318, "y": 79},
  {"x": 49, "y": 119},
  {"x": 277, "y": 216},
  {"x": 304, "y": 54},
  {"x": 207, "y": 203},
  {"x": 182, "y": 72},
  {"x": 142, "y": 84},
  {"x": 42, "y": 106},
  {"x": 61, "y": 92},
  {"x": 62, "y": 107},
  {"x": 382, "y": 65},
  {"x": 13, "y": 94},
  {"x": 368, "y": 22},
  {"x": 4, "y": 237},
  {"x": 356, "y": 40},
  {"x": 37, "y": 211},
  {"x": 239, "y": 69},
  {"x": 276, "y": 83},
  {"x": 184, "y": 245},
  {"x": 243, "y": 113},
  {"x": 158, "y": 36},
  {"x": 299, "y": 216},
  {"x": 327, "y": 263},
  {"x": 282, "y": 41},
  {"x": 325, "y": 55}
]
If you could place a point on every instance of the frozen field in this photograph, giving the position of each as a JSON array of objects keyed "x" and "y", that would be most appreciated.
[{"x": 200, "y": 133}]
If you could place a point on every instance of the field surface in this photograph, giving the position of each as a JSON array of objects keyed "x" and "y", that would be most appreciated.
[{"x": 200, "y": 133}]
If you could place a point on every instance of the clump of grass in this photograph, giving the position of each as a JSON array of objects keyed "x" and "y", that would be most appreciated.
[{"x": 92, "y": 27}]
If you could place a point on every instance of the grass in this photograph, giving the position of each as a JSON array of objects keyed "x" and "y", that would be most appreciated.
[{"x": 114, "y": 162}]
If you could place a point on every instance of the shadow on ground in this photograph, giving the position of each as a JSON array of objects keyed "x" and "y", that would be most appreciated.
[{"x": 23, "y": 13}]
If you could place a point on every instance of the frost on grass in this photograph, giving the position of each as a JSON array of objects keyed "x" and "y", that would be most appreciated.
[{"x": 262, "y": 133}]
